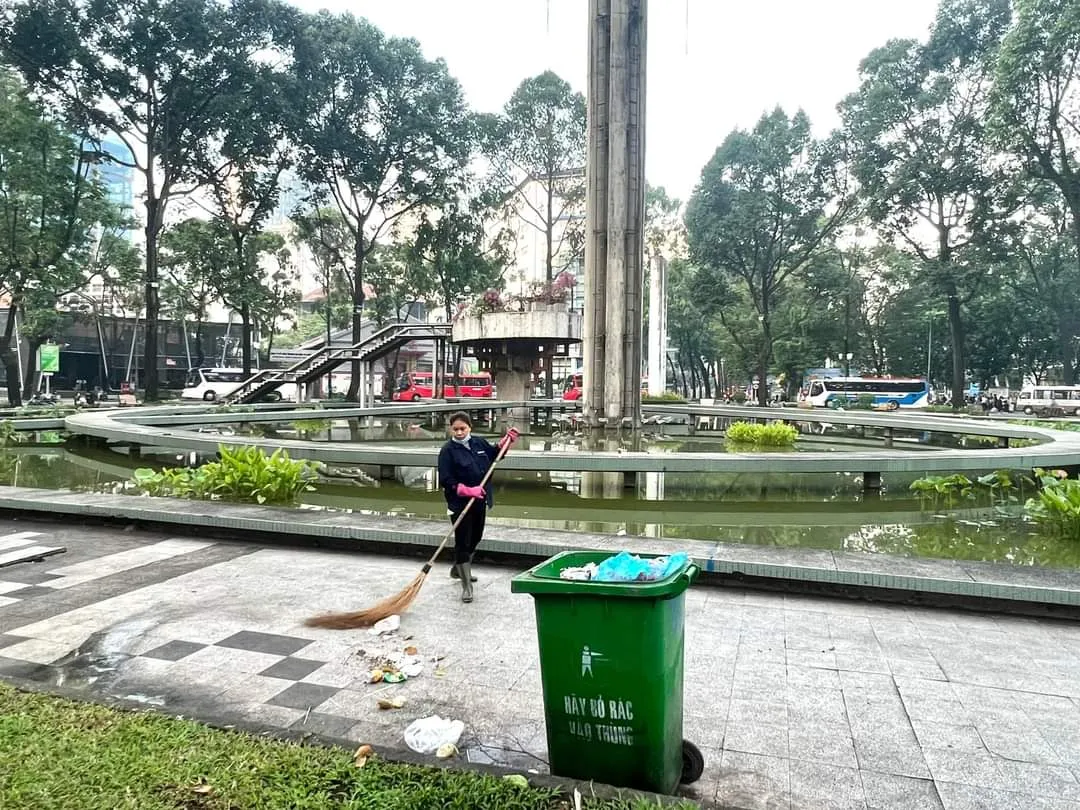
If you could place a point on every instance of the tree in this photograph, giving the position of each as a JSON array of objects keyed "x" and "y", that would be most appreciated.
[
  {"x": 920, "y": 152},
  {"x": 384, "y": 132},
  {"x": 50, "y": 208},
  {"x": 188, "y": 251},
  {"x": 150, "y": 72},
  {"x": 768, "y": 202},
  {"x": 1036, "y": 113},
  {"x": 540, "y": 139},
  {"x": 1042, "y": 275},
  {"x": 326, "y": 235},
  {"x": 202, "y": 255}
]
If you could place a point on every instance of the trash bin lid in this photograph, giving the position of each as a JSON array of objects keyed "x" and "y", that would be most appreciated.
[{"x": 544, "y": 578}]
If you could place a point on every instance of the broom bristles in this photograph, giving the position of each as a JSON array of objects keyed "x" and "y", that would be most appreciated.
[{"x": 398, "y": 603}]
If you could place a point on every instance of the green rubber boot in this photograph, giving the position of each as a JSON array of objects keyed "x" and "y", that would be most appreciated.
[
  {"x": 455, "y": 574},
  {"x": 466, "y": 582}
]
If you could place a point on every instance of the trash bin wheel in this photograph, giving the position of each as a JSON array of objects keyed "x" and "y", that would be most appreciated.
[{"x": 693, "y": 763}]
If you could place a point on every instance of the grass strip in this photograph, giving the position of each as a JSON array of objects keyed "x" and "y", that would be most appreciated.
[{"x": 67, "y": 755}]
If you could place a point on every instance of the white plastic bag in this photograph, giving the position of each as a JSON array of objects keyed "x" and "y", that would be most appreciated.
[
  {"x": 388, "y": 625},
  {"x": 424, "y": 736}
]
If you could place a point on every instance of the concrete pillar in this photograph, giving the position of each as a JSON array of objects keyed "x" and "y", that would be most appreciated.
[
  {"x": 657, "y": 325},
  {"x": 615, "y": 211},
  {"x": 513, "y": 375}
]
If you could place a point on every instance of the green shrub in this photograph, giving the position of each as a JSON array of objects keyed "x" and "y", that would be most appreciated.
[
  {"x": 864, "y": 402},
  {"x": 667, "y": 396},
  {"x": 8, "y": 433},
  {"x": 774, "y": 434},
  {"x": 1057, "y": 506},
  {"x": 944, "y": 488},
  {"x": 312, "y": 425},
  {"x": 240, "y": 474},
  {"x": 947, "y": 489}
]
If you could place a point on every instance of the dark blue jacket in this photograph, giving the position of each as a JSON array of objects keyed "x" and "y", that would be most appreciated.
[{"x": 459, "y": 464}]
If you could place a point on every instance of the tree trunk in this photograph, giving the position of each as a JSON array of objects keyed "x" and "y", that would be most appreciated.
[
  {"x": 30, "y": 375},
  {"x": 200, "y": 354},
  {"x": 353, "y": 394},
  {"x": 549, "y": 267},
  {"x": 1066, "y": 348},
  {"x": 154, "y": 214},
  {"x": 706, "y": 387},
  {"x": 10, "y": 358},
  {"x": 956, "y": 336},
  {"x": 245, "y": 337}
]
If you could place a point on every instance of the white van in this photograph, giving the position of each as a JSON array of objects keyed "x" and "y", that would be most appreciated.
[
  {"x": 212, "y": 384},
  {"x": 1050, "y": 400}
]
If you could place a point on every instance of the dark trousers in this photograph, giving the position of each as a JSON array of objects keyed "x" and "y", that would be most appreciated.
[{"x": 470, "y": 531}]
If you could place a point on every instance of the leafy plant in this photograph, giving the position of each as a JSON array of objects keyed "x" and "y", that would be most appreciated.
[
  {"x": 240, "y": 474},
  {"x": 666, "y": 396},
  {"x": 947, "y": 489},
  {"x": 8, "y": 433},
  {"x": 944, "y": 488},
  {"x": 311, "y": 425},
  {"x": 774, "y": 434},
  {"x": 1056, "y": 508},
  {"x": 864, "y": 402}
]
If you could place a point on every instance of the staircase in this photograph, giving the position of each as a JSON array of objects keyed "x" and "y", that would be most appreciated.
[{"x": 323, "y": 361}]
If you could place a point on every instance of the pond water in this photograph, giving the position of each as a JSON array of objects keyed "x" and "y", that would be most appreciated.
[{"x": 824, "y": 511}]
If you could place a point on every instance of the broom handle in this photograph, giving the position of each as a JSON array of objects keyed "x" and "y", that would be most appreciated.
[{"x": 461, "y": 515}]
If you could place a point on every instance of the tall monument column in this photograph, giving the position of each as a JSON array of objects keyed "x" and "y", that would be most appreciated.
[
  {"x": 657, "y": 325},
  {"x": 615, "y": 212}
]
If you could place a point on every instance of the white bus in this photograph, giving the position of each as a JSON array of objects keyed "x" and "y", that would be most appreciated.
[
  {"x": 1050, "y": 399},
  {"x": 888, "y": 392},
  {"x": 212, "y": 384}
]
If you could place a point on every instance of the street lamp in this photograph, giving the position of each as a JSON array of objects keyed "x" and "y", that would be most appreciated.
[
  {"x": 846, "y": 357},
  {"x": 929, "y": 339},
  {"x": 101, "y": 336}
]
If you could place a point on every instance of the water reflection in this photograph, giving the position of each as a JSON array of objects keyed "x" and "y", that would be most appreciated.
[{"x": 826, "y": 511}]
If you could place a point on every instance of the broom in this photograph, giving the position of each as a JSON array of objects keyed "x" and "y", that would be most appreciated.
[{"x": 399, "y": 602}]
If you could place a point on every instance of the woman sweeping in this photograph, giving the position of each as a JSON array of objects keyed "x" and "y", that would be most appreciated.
[{"x": 463, "y": 462}]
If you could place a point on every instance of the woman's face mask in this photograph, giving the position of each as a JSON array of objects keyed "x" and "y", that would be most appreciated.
[{"x": 459, "y": 431}]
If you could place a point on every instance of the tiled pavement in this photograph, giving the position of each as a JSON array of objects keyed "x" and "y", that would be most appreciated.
[{"x": 797, "y": 702}]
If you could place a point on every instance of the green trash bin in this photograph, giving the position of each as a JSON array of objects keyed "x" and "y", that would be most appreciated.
[{"x": 611, "y": 663}]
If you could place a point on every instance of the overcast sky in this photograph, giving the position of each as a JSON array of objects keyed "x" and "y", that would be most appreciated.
[{"x": 713, "y": 65}]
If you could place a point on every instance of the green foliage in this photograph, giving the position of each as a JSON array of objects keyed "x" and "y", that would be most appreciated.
[
  {"x": 240, "y": 474},
  {"x": 1070, "y": 426},
  {"x": 946, "y": 490},
  {"x": 97, "y": 757},
  {"x": 917, "y": 133},
  {"x": 773, "y": 434},
  {"x": 666, "y": 396},
  {"x": 8, "y": 433},
  {"x": 768, "y": 203},
  {"x": 864, "y": 402},
  {"x": 541, "y": 134},
  {"x": 1056, "y": 507},
  {"x": 311, "y": 425}
]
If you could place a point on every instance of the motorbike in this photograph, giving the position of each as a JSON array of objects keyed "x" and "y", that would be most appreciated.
[{"x": 41, "y": 399}]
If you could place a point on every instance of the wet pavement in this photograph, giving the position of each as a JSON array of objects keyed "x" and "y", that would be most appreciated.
[{"x": 796, "y": 702}]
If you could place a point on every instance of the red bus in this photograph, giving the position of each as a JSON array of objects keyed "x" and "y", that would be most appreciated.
[
  {"x": 573, "y": 388},
  {"x": 475, "y": 385},
  {"x": 417, "y": 385}
]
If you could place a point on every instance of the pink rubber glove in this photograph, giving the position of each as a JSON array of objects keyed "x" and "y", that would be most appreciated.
[
  {"x": 508, "y": 440},
  {"x": 470, "y": 492}
]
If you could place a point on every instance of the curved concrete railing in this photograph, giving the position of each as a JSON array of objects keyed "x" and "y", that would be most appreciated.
[{"x": 165, "y": 426}]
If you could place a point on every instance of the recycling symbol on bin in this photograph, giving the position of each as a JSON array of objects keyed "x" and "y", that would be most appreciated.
[{"x": 588, "y": 656}]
